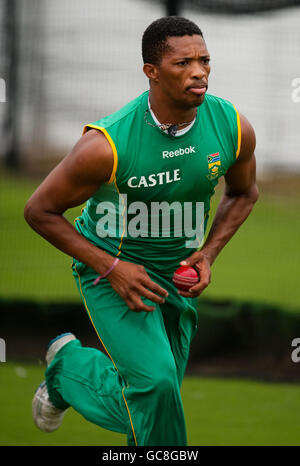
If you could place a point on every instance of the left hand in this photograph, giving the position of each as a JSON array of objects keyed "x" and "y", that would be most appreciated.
[{"x": 200, "y": 262}]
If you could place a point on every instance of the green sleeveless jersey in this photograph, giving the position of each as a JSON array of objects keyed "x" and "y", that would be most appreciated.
[{"x": 155, "y": 206}]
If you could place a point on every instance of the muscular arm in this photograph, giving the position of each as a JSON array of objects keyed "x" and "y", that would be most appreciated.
[
  {"x": 71, "y": 183},
  {"x": 238, "y": 199}
]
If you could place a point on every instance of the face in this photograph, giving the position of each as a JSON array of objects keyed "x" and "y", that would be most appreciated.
[{"x": 182, "y": 75}]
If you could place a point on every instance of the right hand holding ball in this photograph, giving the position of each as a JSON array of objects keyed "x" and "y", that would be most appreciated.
[
  {"x": 185, "y": 277},
  {"x": 193, "y": 276}
]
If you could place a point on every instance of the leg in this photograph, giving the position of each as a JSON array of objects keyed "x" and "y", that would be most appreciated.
[
  {"x": 181, "y": 324},
  {"x": 86, "y": 379},
  {"x": 180, "y": 320},
  {"x": 136, "y": 391}
]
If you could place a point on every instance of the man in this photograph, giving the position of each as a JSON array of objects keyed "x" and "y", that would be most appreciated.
[{"x": 170, "y": 144}]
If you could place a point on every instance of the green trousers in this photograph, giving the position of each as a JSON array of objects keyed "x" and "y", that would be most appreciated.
[{"x": 135, "y": 388}]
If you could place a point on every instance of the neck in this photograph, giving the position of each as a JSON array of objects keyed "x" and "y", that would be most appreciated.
[{"x": 170, "y": 112}]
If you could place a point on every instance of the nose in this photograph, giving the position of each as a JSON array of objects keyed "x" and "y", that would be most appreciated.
[{"x": 198, "y": 71}]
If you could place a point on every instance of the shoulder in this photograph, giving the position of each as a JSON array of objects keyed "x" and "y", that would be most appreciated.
[
  {"x": 248, "y": 138},
  {"x": 114, "y": 130},
  {"x": 91, "y": 157},
  {"x": 246, "y": 133},
  {"x": 221, "y": 110},
  {"x": 115, "y": 118},
  {"x": 218, "y": 102}
]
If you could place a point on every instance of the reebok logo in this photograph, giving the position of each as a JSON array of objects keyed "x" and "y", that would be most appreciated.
[{"x": 170, "y": 154}]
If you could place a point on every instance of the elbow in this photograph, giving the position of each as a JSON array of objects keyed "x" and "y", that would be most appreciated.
[
  {"x": 37, "y": 214},
  {"x": 249, "y": 195},
  {"x": 254, "y": 194},
  {"x": 31, "y": 213},
  {"x": 28, "y": 211}
]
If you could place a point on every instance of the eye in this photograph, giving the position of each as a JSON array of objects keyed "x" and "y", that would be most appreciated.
[
  {"x": 182, "y": 63},
  {"x": 206, "y": 61}
]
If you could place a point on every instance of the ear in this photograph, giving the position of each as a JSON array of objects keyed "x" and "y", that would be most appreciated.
[{"x": 151, "y": 71}]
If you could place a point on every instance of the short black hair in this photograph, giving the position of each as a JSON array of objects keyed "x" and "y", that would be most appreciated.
[{"x": 154, "y": 41}]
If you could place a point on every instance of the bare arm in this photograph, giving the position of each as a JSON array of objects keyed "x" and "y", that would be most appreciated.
[
  {"x": 238, "y": 199},
  {"x": 71, "y": 183}
]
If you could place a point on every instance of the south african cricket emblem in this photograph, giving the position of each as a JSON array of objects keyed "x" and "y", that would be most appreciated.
[{"x": 214, "y": 166}]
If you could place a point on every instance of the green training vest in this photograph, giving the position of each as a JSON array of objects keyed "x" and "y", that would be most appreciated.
[{"x": 158, "y": 181}]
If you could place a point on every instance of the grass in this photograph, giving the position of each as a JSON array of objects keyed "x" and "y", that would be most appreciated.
[
  {"x": 261, "y": 261},
  {"x": 259, "y": 264},
  {"x": 33, "y": 269},
  {"x": 215, "y": 409}
]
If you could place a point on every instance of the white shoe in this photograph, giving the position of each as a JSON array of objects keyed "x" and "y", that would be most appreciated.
[
  {"x": 56, "y": 344},
  {"x": 45, "y": 415}
]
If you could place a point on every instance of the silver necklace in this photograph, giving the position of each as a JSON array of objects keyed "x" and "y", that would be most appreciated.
[{"x": 172, "y": 128}]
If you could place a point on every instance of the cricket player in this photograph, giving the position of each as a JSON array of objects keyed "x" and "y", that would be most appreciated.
[{"x": 170, "y": 144}]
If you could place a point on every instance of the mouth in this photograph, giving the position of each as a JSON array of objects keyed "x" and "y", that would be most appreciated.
[{"x": 198, "y": 89}]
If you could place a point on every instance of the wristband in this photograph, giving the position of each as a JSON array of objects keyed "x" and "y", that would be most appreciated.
[{"x": 106, "y": 273}]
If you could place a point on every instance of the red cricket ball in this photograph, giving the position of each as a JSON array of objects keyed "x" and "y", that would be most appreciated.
[{"x": 185, "y": 277}]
